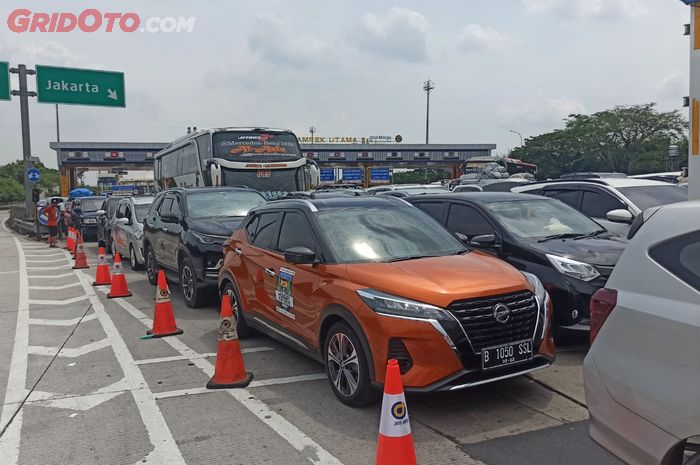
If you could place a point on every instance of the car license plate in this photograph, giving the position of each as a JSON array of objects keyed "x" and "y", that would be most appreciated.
[
  {"x": 90, "y": 221},
  {"x": 507, "y": 354}
]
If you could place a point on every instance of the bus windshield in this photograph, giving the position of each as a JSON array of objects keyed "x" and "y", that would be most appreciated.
[
  {"x": 256, "y": 147},
  {"x": 272, "y": 184}
]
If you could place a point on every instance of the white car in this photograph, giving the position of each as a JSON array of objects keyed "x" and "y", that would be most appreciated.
[
  {"x": 612, "y": 202},
  {"x": 642, "y": 373}
]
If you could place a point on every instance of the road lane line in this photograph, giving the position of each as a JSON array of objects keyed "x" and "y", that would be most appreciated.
[
  {"x": 313, "y": 452},
  {"x": 8, "y": 272},
  {"x": 69, "y": 353},
  {"x": 16, "y": 381},
  {"x": 176, "y": 358},
  {"x": 72, "y": 300},
  {"x": 49, "y": 268},
  {"x": 50, "y": 276},
  {"x": 166, "y": 450},
  {"x": 54, "y": 288},
  {"x": 47, "y": 261},
  {"x": 44, "y": 255},
  {"x": 51, "y": 322},
  {"x": 254, "y": 384}
]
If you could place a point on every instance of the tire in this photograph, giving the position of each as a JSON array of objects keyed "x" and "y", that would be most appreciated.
[
  {"x": 151, "y": 266},
  {"x": 135, "y": 265},
  {"x": 193, "y": 295},
  {"x": 108, "y": 244},
  {"x": 341, "y": 380},
  {"x": 242, "y": 327}
]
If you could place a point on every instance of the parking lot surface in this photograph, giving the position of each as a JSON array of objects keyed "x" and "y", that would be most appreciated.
[{"x": 79, "y": 385}]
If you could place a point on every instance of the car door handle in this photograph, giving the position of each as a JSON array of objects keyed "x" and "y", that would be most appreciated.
[
  {"x": 238, "y": 251},
  {"x": 270, "y": 272},
  {"x": 165, "y": 229}
]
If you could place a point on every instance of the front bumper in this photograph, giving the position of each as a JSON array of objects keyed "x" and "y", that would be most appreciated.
[
  {"x": 207, "y": 259},
  {"x": 571, "y": 298}
]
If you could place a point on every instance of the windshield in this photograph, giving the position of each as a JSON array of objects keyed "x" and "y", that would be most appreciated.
[
  {"x": 91, "y": 205},
  {"x": 141, "y": 211},
  {"x": 541, "y": 218},
  {"x": 385, "y": 234},
  {"x": 272, "y": 184},
  {"x": 256, "y": 147},
  {"x": 222, "y": 203},
  {"x": 654, "y": 196}
]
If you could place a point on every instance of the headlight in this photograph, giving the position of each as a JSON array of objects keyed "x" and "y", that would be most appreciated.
[
  {"x": 573, "y": 268},
  {"x": 207, "y": 239},
  {"x": 540, "y": 292},
  {"x": 398, "y": 306}
]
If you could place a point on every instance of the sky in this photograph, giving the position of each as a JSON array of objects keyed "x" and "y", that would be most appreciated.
[{"x": 356, "y": 68}]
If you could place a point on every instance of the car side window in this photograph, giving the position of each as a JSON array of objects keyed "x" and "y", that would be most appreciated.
[
  {"x": 252, "y": 226},
  {"x": 295, "y": 232},
  {"x": 266, "y": 232},
  {"x": 598, "y": 204},
  {"x": 121, "y": 211},
  {"x": 680, "y": 256},
  {"x": 433, "y": 209},
  {"x": 175, "y": 206},
  {"x": 568, "y": 196},
  {"x": 468, "y": 221},
  {"x": 127, "y": 211},
  {"x": 166, "y": 205}
]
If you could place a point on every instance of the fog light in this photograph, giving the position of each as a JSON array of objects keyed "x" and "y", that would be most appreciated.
[
  {"x": 398, "y": 351},
  {"x": 574, "y": 314}
]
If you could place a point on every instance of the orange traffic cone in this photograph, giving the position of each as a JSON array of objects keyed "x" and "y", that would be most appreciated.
[
  {"x": 80, "y": 257},
  {"x": 119, "y": 287},
  {"x": 395, "y": 440},
  {"x": 102, "y": 277},
  {"x": 70, "y": 240},
  {"x": 229, "y": 371},
  {"x": 163, "y": 317}
]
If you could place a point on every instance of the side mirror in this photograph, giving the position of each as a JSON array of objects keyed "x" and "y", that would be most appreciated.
[
  {"x": 463, "y": 238},
  {"x": 122, "y": 221},
  {"x": 170, "y": 217},
  {"x": 300, "y": 255},
  {"x": 100, "y": 212},
  {"x": 620, "y": 216},
  {"x": 485, "y": 240}
]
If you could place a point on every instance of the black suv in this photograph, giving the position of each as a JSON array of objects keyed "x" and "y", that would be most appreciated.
[
  {"x": 184, "y": 232},
  {"x": 84, "y": 215},
  {"x": 571, "y": 254},
  {"x": 105, "y": 221}
]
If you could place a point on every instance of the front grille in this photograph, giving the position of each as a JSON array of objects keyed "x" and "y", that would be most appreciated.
[{"x": 482, "y": 328}]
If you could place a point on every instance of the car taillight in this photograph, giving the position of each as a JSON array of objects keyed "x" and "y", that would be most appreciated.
[{"x": 602, "y": 304}]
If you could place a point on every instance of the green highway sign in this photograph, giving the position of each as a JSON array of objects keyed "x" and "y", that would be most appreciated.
[
  {"x": 4, "y": 80},
  {"x": 73, "y": 86}
]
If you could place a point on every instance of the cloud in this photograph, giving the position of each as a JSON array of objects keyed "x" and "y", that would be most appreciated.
[
  {"x": 673, "y": 86},
  {"x": 50, "y": 52},
  {"x": 540, "y": 111},
  {"x": 477, "y": 37},
  {"x": 277, "y": 41},
  {"x": 589, "y": 9},
  {"x": 398, "y": 33}
]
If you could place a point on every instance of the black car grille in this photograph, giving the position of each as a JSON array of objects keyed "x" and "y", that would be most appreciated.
[{"x": 482, "y": 328}]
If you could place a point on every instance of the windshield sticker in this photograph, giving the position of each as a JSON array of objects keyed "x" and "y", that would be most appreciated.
[{"x": 283, "y": 293}]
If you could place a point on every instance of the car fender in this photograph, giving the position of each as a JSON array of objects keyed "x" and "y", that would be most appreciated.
[{"x": 335, "y": 310}]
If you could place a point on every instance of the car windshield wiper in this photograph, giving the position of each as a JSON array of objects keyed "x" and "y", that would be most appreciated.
[
  {"x": 414, "y": 257},
  {"x": 593, "y": 234},
  {"x": 561, "y": 236}
]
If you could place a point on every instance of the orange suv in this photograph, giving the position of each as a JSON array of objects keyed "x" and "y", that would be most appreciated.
[{"x": 354, "y": 282}]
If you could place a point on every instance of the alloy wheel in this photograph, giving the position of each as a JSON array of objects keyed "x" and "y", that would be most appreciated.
[
  {"x": 343, "y": 364},
  {"x": 187, "y": 282}
]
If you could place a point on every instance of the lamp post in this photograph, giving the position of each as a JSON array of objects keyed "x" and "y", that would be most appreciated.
[
  {"x": 520, "y": 135},
  {"x": 312, "y": 130},
  {"x": 428, "y": 87}
]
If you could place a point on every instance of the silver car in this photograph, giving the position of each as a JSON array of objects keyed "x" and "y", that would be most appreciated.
[
  {"x": 642, "y": 373},
  {"x": 127, "y": 229}
]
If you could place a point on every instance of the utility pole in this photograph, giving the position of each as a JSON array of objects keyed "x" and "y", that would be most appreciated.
[
  {"x": 312, "y": 130},
  {"x": 516, "y": 132},
  {"x": 24, "y": 95},
  {"x": 58, "y": 126},
  {"x": 428, "y": 87}
]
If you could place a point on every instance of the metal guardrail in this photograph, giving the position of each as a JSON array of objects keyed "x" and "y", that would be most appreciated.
[{"x": 18, "y": 222}]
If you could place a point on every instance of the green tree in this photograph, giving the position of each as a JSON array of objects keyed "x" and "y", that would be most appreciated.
[
  {"x": 10, "y": 190},
  {"x": 628, "y": 139},
  {"x": 49, "y": 177}
]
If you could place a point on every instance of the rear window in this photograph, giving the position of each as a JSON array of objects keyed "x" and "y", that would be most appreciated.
[
  {"x": 256, "y": 147},
  {"x": 681, "y": 256}
]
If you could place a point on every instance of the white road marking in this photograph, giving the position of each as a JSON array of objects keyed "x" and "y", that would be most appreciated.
[
  {"x": 86, "y": 402},
  {"x": 44, "y": 255},
  {"x": 280, "y": 425},
  {"x": 165, "y": 450},
  {"x": 176, "y": 358},
  {"x": 54, "y": 288},
  {"x": 50, "y": 276},
  {"x": 72, "y": 300},
  {"x": 47, "y": 261},
  {"x": 70, "y": 353},
  {"x": 48, "y": 268},
  {"x": 254, "y": 384},
  {"x": 51, "y": 322},
  {"x": 17, "y": 379},
  {"x": 8, "y": 272}
]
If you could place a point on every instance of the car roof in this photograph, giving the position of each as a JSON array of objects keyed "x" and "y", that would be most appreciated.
[
  {"x": 334, "y": 203},
  {"x": 482, "y": 197},
  {"x": 612, "y": 182},
  {"x": 189, "y": 190},
  {"x": 142, "y": 200}
]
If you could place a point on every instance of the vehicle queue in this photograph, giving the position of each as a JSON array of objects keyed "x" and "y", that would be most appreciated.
[{"x": 460, "y": 288}]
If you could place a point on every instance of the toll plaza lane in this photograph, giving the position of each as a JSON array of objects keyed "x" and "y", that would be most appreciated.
[{"x": 80, "y": 386}]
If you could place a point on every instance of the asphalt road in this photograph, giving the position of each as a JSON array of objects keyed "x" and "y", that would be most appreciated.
[{"x": 78, "y": 385}]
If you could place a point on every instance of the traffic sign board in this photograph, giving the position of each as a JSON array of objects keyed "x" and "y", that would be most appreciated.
[
  {"x": 4, "y": 80},
  {"x": 75, "y": 86},
  {"x": 353, "y": 174},
  {"x": 33, "y": 175}
]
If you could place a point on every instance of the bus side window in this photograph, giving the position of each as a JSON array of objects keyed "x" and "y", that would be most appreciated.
[{"x": 204, "y": 148}]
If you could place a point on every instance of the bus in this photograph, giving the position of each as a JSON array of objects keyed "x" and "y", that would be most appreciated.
[
  {"x": 267, "y": 160},
  {"x": 511, "y": 165}
]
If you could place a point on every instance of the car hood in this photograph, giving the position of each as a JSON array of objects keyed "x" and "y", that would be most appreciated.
[
  {"x": 88, "y": 214},
  {"x": 440, "y": 280},
  {"x": 215, "y": 226},
  {"x": 602, "y": 251}
]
